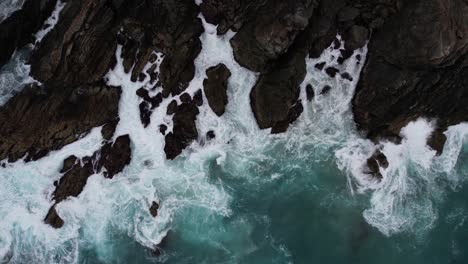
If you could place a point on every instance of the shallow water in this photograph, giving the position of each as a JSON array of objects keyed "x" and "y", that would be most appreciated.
[{"x": 246, "y": 196}]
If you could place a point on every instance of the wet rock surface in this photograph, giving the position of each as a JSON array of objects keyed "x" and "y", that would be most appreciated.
[
  {"x": 414, "y": 70},
  {"x": 111, "y": 159},
  {"x": 184, "y": 131},
  {"x": 39, "y": 119},
  {"x": 19, "y": 28},
  {"x": 215, "y": 87}
]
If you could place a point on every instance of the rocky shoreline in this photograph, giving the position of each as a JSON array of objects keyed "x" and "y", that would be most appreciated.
[{"x": 417, "y": 66}]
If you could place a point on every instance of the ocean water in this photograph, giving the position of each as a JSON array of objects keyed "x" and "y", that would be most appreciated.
[{"x": 245, "y": 196}]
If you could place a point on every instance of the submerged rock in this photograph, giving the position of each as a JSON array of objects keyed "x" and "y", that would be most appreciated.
[{"x": 215, "y": 87}]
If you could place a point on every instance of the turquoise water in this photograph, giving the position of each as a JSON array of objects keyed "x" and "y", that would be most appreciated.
[{"x": 308, "y": 215}]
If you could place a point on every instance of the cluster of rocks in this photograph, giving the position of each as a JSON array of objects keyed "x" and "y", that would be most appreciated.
[{"x": 111, "y": 159}]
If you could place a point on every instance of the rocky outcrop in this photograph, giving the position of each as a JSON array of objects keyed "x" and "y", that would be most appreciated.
[
  {"x": 417, "y": 67},
  {"x": 265, "y": 38},
  {"x": 111, "y": 159},
  {"x": 40, "y": 119},
  {"x": 215, "y": 87},
  {"x": 19, "y": 28},
  {"x": 184, "y": 130}
]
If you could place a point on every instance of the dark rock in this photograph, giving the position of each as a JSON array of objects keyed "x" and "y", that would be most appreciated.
[
  {"x": 68, "y": 163},
  {"x": 144, "y": 94},
  {"x": 163, "y": 129},
  {"x": 348, "y": 13},
  {"x": 172, "y": 107},
  {"x": 215, "y": 87},
  {"x": 53, "y": 121},
  {"x": 293, "y": 114},
  {"x": 332, "y": 71},
  {"x": 325, "y": 90},
  {"x": 375, "y": 162},
  {"x": 17, "y": 30},
  {"x": 270, "y": 33},
  {"x": 145, "y": 113},
  {"x": 109, "y": 128},
  {"x": 114, "y": 158},
  {"x": 210, "y": 135},
  {"x": 347, "y": 76},
  {"x": 346, "y": 54},
  {"x": 413, "y": 71},
  {"x": 355, "y": 37},
  {"x": 156, "y": 100},
  {"x": 184, "y": 130},
  {"x": 310, "y": 92},
  {"x": 185, "y": 98},
  {"x": 320, "y": 65},
  {"x": 198, "y": 98},
  {"x": 53, "y": 219},
  {"x": 154, "y": 209}
]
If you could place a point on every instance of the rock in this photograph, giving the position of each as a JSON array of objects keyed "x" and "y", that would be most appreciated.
[
  {"x": 412, "y": 71},
  {"x": 355, "y": 37},
  {"x": 215, "y": 87},
  {"x": 172, "y": 107},
  {"x": 320, "y": 65},
  {"x": 68, "y": 163},
  {"x": 185, "y": 98},
  {"x": 310, "y": 92},
  {"x": 144, "y": 94},
  {"x": 184, "y": 130},
  {"x": 332, "y": 71},
  {"x": 275, "y": 93},
  {"x": 53, "y": 219},
  {"x": 375, "y": 162},
  {"x": 154, "y": 209},
  {"x": 210, "y": 135},
  {"x": 348, "y": 13},
  {"x": 114, "y": 158},
  {"x": 293, "y": 114},
  {"x": 198, "y": 98},
  {"x": 163, "y": 129},
  {"x": 145, "y": 113},
  {"x": 326, "y": 89},
  {"x": 109, "y": 128},
  {"x": 347, "y": 76},
  {"x": 270, "y": 33},
  {"x": 54, "y": 119},
  {"x": 111, "y": 159},
  {"x": 17, "y": 30}
]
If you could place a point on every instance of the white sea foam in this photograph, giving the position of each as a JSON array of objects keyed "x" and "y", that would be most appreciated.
[{"x": 51, "y": 21}]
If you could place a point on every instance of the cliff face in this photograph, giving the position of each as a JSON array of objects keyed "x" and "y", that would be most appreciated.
[{"x": 417, "y": 67}]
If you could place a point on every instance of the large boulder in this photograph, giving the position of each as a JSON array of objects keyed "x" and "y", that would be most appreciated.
[
  {"x": 264, "y": 39},
  {"x": 215, "y": 87},
  {"x": 417, "y": 67}
]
